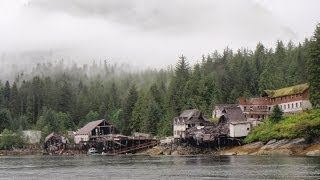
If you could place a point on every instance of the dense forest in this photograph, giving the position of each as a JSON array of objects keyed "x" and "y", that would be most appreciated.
[{"x": 58, "y": 97}]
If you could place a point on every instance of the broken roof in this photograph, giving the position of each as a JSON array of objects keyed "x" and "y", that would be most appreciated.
[
  {"x": 85, "y": 130},
  {"x": 50, "y": 136},
  {"x": 191, "y": 113},
  {"x": 297, "y": 89},
  {"x": 234, "y": 114}
]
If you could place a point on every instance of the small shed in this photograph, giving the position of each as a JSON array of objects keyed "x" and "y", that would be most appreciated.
[
  {"x": 54, "y": 142},
  {"x": 237, "y": 122}
]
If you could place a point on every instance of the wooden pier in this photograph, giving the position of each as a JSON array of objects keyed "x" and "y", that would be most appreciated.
[{"x": 113, "y": 145}]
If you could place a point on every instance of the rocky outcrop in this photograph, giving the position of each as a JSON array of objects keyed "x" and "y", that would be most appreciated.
[
  {"x": 276, "y": 147},
  {"x": 284, "y": 147},
  {"x": 243, "y": 150},
  {"x": 177, "y": 150}
]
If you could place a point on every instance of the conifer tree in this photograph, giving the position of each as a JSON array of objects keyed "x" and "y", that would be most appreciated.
[
  {"x": 128, "y": 107},
  {"x": 314, "y": 68},
  {"x": 276, "y": 115}
]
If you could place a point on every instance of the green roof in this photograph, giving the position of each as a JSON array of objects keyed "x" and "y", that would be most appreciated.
[{"x": 297, "y": 89}]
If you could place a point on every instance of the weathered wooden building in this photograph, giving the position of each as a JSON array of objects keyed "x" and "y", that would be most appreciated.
[
  {"x": 54, "y": 142},
  {"x": 94, "y": 130},
  {"x": 192, "y": 118},
  {"x": 291, "y": 100},
  {"x": 233, "y": 118}
]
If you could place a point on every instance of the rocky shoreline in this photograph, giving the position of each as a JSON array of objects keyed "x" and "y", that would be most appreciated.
[{"x": 283, "y": 147}]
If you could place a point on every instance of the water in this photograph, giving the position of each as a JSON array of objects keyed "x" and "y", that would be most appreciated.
[{"x": 160, "y": 167}]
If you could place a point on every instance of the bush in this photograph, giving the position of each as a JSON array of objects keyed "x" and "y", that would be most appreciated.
[
  {"x": 10, "y": 139},
  {"x": 306, "y": 125}
]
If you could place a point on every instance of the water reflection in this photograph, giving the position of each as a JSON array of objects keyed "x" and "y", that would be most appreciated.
[{"x": 159, "y": 167}]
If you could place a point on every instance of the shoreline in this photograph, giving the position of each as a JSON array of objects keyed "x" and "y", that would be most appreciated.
[{"x": 284, "y": 147}]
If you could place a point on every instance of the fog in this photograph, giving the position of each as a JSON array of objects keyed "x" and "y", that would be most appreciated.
[{"x": 145, "y": 33}]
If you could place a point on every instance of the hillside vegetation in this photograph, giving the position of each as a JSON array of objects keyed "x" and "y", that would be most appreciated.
[{"x": 306, "y": 125}]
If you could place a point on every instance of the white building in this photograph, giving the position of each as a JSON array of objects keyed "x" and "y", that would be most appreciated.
[{"x": 31, "y": 136}]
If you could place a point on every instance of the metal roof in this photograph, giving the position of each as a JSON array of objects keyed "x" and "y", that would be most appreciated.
[{"x": 86, "y": 130}]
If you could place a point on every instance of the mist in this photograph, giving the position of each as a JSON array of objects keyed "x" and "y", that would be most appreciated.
[{"x": 145, "y": 33}]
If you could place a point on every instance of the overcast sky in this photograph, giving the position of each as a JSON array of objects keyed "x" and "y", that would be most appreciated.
[{"x": 151, "y": 33}]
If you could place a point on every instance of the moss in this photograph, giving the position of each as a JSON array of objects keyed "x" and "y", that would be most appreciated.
[
  {"x": 213, "y": 120},
  {"x": 306, "y": 125},
  {"x": 288, "y": 90}
]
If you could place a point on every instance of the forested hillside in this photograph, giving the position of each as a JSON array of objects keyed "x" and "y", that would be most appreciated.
[{"x": 56, "y": 97}]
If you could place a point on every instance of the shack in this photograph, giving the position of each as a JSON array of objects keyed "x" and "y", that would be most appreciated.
[
  {"x": 54, "y": 142},
  {"x": 188, "y": 119},
  {"x": 94, "y": 130},
  {"x": 233, "y": 117}
]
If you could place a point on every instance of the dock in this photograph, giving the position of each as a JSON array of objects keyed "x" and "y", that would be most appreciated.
[{"x": 119, "y": 144}]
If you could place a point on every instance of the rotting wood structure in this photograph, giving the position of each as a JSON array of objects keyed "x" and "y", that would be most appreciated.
[
  {"x": 119, "y": 144},
  {"x": 206, "y": 133},
  {"x": 103, "y": 136}
]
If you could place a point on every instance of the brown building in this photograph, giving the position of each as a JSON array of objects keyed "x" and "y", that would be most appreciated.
[{"x": 291, "y": 100}]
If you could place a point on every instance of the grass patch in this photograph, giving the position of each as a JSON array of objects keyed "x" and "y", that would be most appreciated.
[{"x": 306, "y": 125}]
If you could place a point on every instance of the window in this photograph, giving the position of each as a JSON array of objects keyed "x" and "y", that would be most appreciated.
[
  {"x": 284, "y": 106},
  {"x": 296, "y": 105},
  {"x": 245, "y": 108},
  {"x": 288, "y": 106},
  {"x": 251, "y": 116},
  {"x": 269, "y": 108},
  {"x": 292, "y": 105},
  {"x": 300, "y": 104},
  {"x": 248, "y": 129}
]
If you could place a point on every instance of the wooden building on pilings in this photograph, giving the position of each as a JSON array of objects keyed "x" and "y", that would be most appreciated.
[{"x": 103, "y": 136}]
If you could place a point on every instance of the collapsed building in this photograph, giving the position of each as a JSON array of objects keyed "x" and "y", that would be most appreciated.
[{"x": 230, "y": 126}]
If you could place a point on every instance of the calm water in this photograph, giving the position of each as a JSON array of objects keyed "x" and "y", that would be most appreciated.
[{"x": 161, "y": 167}]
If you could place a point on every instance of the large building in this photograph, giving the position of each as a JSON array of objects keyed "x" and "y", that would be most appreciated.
[{"x": 291, "y": 100}]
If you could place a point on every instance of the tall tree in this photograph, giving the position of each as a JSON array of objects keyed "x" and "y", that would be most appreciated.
[
  {"x": 128, "y": 108},
  {"x": 7, "y": 95},
  {"x": 314, "y": 68}
]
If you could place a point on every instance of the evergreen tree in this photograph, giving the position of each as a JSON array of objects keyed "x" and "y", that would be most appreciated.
[
  {"x": 7, "y": 95},
  {"x": 5, "y": 119},
  {"x": 139, "y": 114},
  {"x": 276, "y": 115},
  {"x": 14, "y": 100},
  {"x": 314, "y": 68},
  {"x": 128, "y": 108}
]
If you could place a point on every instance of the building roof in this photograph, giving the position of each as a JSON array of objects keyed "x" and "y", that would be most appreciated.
[
  {"x": 222, "y": 106},
  {"x": 297, "y": 89},
  {"x": 234, "y": 114},
  {"x": 191, "y": 113},
  {"x": 85, "y": 130},
  {"x": 50, "y": 136}
]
